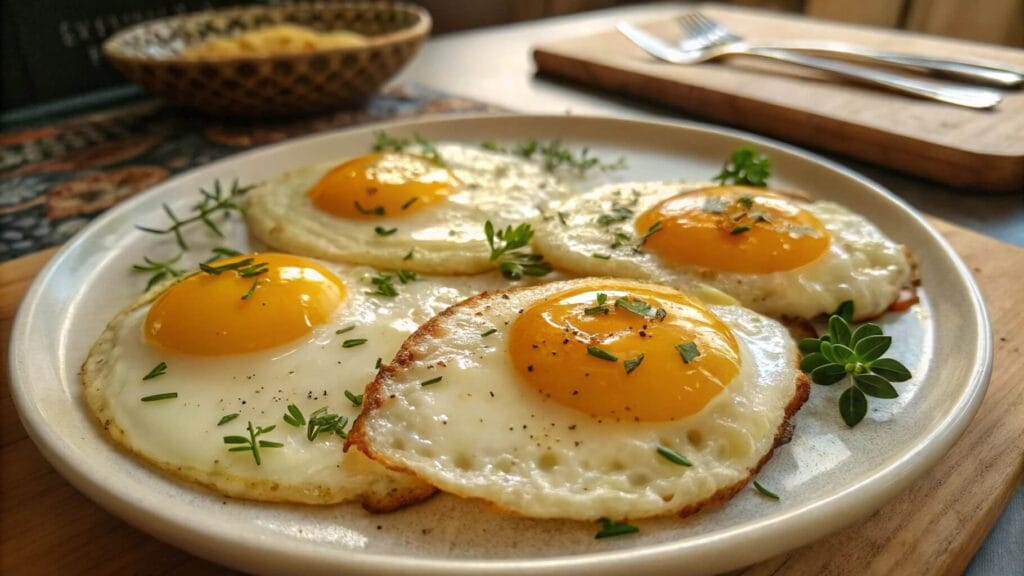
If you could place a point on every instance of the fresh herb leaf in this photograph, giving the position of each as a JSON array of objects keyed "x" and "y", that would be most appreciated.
[
  {"x": 213, "y": 202},
  {"x": 410, "y": 202},
  {"x": 353, "y": 342},
  {"x": 688, "y": 351},
  {"x": 673, "y": 456},
  {"x": 610, "y": 528},
  {"x": 428, "y": 149},
  {"x": 211, "y": 269},
  {"x": 853, "y": 406},
  {"x": 737, "y": 230},
  {"x": 654, "y": 229},
  {"x": 506, "y": 248},
  {"x": 348, "y": 328},
  {"x": 405, "y": 276},
  {"x": 601, "y": 298},
  {"x": 600, "y": 256},
  {"x": 384, "y": 286},
  {"x": 324, "y": 422},
  {"x": 384, "y": 142},
  {"x": 227, "y": 418},
  {"x": 375, "y": 211},
  {"x": 617, "y": 214},
  {"x": 158, "y": 397},
  {"x": 636, "y": 306},
  {"x": 891, "y": 370},
  {"x": 602, "y": 354},
  {"x": 381, "y": 231},
  {"x": 746, "y": 166},
  {"x": 764, "y": 491},
  {"x": 161, "y": 270},
  {"x": 252, "y": 290},
  {"x": 408, "y": 255},
  {"x": 631, "y": 364},
  {"x": 594, "y": 310},
  {"x": 433, "y": 380},
  {"x": 488, "y": 333},
  {"x": 158, "y": 370},
  {"x": 355, "y": 399},
  {"x": 378, "y": 363},
  {"x": 294, "y": 416},
  {"x": 845, "y": 311}
]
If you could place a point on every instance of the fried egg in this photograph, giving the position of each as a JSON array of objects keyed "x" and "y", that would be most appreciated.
[
  {"x": 400, "y": 209},
  {"x": 585, "y": 399},
  {"x": 776, "y": 253},
  {"x": 193, "y": 375}
]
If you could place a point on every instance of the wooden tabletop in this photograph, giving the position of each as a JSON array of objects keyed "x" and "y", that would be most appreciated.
[{"x": 47, "y": 527}]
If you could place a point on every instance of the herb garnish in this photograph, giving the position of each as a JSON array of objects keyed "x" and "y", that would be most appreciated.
[
  {"x": 377, "y": 364},
  {"x": 252, "y": 289},
  {"x": 353, "y": 342},
  {"x": 600, "y": 256},
  {"x": 161, "y": 270},
  {"x": 324, "y": 422},
  {"x": 355, "y": 399},
  {"x": 631, "y": 364},
  {"x": 251, "y": 444},
  {"x": 844, "y": 352},
  {"x": 244, "y": 263},
  {"x": 408, "y": 255},
  {"x": 688, "y": 351},
  {"x": 428, "y": 149},
  {"x": 746, "y": 166},
  {"x": 405, "y": 276},
  {"x": 611, "y": 528},
  {"x": 410, "y": 202},
  {"x": 381, "y": 231},
  {"x": 375, "y": 211},
  {"x": 602, "y": 354},
  {"x": 512, "y": 262},
  {"x": 673, "y": 456},
  {"x": 555, "y": 155},
  {"x": 737, "y": 230},
  {"x": 764, "y": 491},
  {"x": 488, "y": 333},
  {"x": 348, "y": 328},
  {"x": 654, "y": 229},
  {"x": 227, "y": 418},
  {"x": 294, "y": 416},
  {"x": 384, "y": 285},
  {"x": 220, "y": 252},
  {"x": 433, "y": 380},
  {"x": 158, "y": 370},
  {"x": 212, "y": 203},
  {"x": 384, "y": 142},
  {"x": 636, "y": 306},
  {"x": 617, "y": 214},
  {"x": 158, "y": 397}
]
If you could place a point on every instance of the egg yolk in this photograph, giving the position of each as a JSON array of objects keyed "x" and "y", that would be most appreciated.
[
  {"x": 733, "y": 229},
  {"x": 651, "y": 354},
  {"x": 382, "y": 185},
  {"x": 244, "y": 304}
]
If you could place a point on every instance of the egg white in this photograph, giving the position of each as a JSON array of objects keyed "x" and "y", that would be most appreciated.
[
  {"x": 182, "y": 435},
  {"x": 482, "y": 433},
  {"x": 445, "y": 238},
  {"x": 861, "y": 263}
]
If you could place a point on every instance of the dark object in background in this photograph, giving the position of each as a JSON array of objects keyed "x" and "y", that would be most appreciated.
[{"x": 51, "y": 48}]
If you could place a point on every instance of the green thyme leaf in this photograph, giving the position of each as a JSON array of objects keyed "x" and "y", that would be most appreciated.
[
  {"x": 488, "y": 333},
  {"x": 405, "y": 276},
  {"x": 384, "y": 142},
  {"x": 294, "y": 416},
  {"x": 872, "y": 348},
  {"x": 381, "y": 231},
  {"x": 631, "y": 364},
  {"x": 617, "y": 214},
  {"x": 374, "y": 211},
  {"x": 862, "y": 332},
  {"x": 213, "y": 202},
  {"x": 845, "y": 311},
  {"x": 853, "y": 406},
  {"x": 764, "y": 491},
  {"x": 158, "y": 397},
  {"x": 891, "y": 370},
  {"x": 160, "y": 270},
  {"x": 736, "y": 231},
  {"x": 828, "y": 374},
  {"x": 594, "y": 310},
  {"x": 812, "y": 361},
  {"x": 875, "y": 386},
  {"x": 428, "y": 149},
  {"x": 158, "y": 370},
  {"x": 355, "y": 399},
  {"x": 353, "y": 342},
  {"x": 602, "y": 354},
  {"x": 410, "y": 202},
  {"x": 688, "y": 351},
  {"x": 842, "y": 354},
  {"x": 433, "y": 380},
  {"x": 839, "y": 330},
  {"x": 384, "y": 286},
  {"x": 636, "y": 306},
  {"x": 673, "y": 456},
  {"x": 601, "y": 256},
  {"x": 348, "y": 328},
  {"x": 378, "y": 363},
  {"x": 227, "y": 418},
  {"x": 322, "y": 421},
  {"x": 610, "y": 528}
]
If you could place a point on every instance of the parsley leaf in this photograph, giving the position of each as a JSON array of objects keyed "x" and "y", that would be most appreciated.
[{"x": 747, "y": 167}]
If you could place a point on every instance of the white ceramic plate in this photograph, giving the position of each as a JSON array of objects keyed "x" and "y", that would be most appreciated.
[{"x": 828, "y": 476}]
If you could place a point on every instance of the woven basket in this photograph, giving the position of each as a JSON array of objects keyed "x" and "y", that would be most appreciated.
[{"x": 276, "y": 85}]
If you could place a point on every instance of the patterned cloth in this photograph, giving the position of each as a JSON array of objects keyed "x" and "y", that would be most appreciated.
[{"x": 55, "y": 178}]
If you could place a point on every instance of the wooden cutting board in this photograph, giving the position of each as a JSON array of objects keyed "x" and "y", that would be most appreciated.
[
  {"x": 981, "y": 150},
  {"x": 47, "y": 527}
]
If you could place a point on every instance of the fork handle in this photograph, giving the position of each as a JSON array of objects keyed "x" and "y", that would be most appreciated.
[
  {"x": 975, "y": 72},
  {"x": 970, "y": 97}
]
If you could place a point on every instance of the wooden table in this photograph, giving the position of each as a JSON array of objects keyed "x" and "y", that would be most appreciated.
[{"x": 47, "y": 527}]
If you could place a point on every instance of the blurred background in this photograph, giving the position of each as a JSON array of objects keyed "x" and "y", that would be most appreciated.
[{"x": 52, "y": 49}]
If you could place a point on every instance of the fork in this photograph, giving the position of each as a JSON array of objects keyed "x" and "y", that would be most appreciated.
[
  {"x": 701, "y": 31},
  {"x": 970, "y": 97}
]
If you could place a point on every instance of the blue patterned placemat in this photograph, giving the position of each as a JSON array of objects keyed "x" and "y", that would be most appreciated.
[{"x": 56, "y": 177}]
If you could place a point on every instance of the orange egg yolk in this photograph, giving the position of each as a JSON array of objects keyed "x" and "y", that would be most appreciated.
[
  {"x": 382, "y": 185},
  {"x": 618, "y": 352},
  {"x": 734, "y": 229},
  {"x": 244, "y": 304}
]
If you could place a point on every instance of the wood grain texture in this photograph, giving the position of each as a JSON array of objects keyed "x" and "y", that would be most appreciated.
[
  {"x": 978, "y": 150},
  {"x": 47, "y": 527}
]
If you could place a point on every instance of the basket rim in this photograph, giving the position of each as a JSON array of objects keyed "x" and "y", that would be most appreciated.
[{"x": 415, "y": 32}]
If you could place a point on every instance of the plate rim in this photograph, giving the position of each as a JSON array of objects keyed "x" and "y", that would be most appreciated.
[{"x": 796, "y": 528}]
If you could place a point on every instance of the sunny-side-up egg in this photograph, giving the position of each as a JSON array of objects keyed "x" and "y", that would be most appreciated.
[
  {"x": 777, "y": 253},
  {"x": 197, "y": 377},
  {"x": 586, "y": 398},
  {"x": 419, "y": 212}
]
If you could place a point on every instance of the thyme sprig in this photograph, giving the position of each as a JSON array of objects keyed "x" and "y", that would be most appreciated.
[
  {"x": 555, "y": 155},
  {"x": 161, "y": 269},
  {"x": 746, "y": 166},
  {"x": 214, "y": 201},
  {"x": 323, "y": 421},
  {"x": 506, "y": 249},
  {"x": 252, "y": 443},
  {"x": 845, "y": 352}
]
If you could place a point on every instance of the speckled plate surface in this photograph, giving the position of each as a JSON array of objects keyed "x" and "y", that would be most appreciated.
[{"x": 828, "y": 476}]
